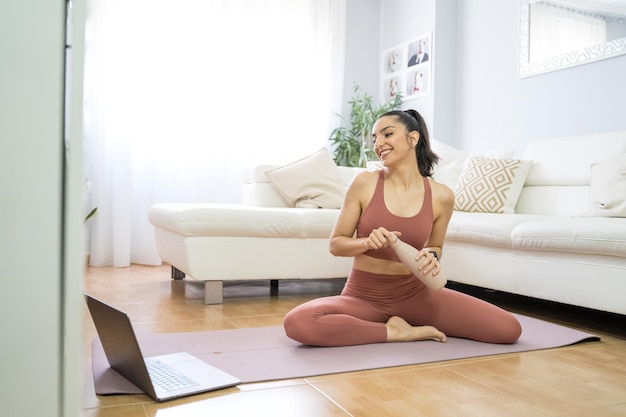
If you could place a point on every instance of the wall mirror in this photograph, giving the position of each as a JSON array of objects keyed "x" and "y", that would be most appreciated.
[{"x": 557, "y": 34}]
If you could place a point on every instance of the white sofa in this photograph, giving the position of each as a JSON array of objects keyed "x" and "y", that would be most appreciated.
[
  {"x": 261, "y": 239},
  {"x": 555, "y": 246}
]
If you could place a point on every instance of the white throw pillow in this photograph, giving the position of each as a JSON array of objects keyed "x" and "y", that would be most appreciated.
[
  {"x": 311, "y": 182},
  {"x": 490, "y": 185},
  {"x": 450, "y": 165},
  {"x": 452, "y": 160},
  {"x": 608, "y": 187}
]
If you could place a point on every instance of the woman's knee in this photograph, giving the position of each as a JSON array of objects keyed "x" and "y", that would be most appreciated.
[
  {"x": 510, "y": 330},
  {"x": 289, "y": 323},
  {"x": 294, "y": 324}
]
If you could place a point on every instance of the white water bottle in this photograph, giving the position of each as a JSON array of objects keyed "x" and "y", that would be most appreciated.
[{"x": 407, "y": 254}]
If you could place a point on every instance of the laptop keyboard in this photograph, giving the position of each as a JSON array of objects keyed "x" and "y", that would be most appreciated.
[{"x": 166, "y": 377}]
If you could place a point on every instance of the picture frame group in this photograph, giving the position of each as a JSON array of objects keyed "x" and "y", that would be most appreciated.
[{"x": 406, "y": 69}]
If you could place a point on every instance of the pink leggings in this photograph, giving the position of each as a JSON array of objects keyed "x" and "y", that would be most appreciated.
[{"x": 368, "y": 300}]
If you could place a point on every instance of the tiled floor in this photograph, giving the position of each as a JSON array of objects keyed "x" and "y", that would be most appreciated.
[{"x": 584, "y": 380}]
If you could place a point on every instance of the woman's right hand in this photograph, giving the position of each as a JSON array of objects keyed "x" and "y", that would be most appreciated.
[{"x": 381, "y": 238}]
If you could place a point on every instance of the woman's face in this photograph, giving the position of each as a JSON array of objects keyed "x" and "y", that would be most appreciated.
[{"x": 391, "y": 140}]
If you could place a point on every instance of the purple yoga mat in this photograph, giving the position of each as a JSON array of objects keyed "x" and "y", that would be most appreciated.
[{"x": 266, "y": 353}]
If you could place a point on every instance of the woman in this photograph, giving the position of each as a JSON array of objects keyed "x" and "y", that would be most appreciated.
[{"x": 382, "y": 301}]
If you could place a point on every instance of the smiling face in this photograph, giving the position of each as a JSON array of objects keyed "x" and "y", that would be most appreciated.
[{"x": 392, "y": 142}]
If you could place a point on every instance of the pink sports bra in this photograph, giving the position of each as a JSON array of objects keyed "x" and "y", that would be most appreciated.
[{"x": 415, "y": 230}]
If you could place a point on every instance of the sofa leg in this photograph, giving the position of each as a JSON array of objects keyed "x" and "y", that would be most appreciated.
[
  {"x": 213, "y": 292},
  {"x": 177, "y": 273},
  {"x": 273, "y": 287}
]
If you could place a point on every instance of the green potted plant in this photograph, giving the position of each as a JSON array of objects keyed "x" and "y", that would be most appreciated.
[
  {"x": 90, "y": 214},
  {"x": 353, "y": 144}
]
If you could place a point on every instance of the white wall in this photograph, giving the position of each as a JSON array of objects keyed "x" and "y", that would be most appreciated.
[
  {"x": 498, "y": 108},
  {"x": 39, "y": 241},
  {"x": 398, "y": 21},
  {"x": 444, "y": 65},
  {"x": 478, "y": 101},
  {"x": 402, "y": 21},
  {"x": 362, "y": 46}
]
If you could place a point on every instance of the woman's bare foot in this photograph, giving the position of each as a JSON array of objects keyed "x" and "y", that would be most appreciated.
[{"x": 398, "y": 330}]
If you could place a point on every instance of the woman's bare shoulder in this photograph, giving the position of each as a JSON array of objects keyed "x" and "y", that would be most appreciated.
[
  {"x": 364, "y": 179},
  {"x": 441, "y": 193},
  {"x": 362, "y": 185}
]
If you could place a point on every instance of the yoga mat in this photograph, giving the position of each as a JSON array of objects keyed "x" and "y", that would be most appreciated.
[{"x": 266, "y": 353}]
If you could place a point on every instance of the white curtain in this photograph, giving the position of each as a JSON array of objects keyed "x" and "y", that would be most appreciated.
[
  {"x": 556, "y": 31},
  {"x": 180, "y": 95}
]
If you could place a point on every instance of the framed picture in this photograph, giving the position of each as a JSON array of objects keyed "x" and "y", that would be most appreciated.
[
  {"x": 393, "y": 60},
  {"x": 392, "y": 86},
  {"x": 418, "y": 81},
  {"x": 418, "y": 51},
  {"x": 406, "y": 68}
]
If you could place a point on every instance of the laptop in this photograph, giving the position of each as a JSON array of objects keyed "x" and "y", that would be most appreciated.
[{"x": 163, "y": 377}]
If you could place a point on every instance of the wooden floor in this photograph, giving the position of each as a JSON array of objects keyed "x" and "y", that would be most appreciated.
[{"x": 585, "y": 380}]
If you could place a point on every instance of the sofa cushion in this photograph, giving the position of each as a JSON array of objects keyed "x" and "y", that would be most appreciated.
[
  {"x": 489, "y": 229},
  {"x": 311, "y": 182},
  {"x": 602, "y": 236},
  {"x": 608, "y": 187},
  {"x": 490, "y": 185},
  {"x": 257, "y": 189},
  {"x": 568, "y": 160},
  {"x": 554, "y": 200},
  {"x": 195, "y": 219},
  {"x": 452, "y": 160}
]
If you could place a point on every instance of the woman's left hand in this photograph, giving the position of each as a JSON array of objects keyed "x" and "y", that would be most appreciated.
[{"x": 429, "y": 264}]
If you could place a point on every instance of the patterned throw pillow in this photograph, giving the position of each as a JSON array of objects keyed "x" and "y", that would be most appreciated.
[
  {"x": 489, "y": 185},
  {"x": 452, "y": 160}
]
